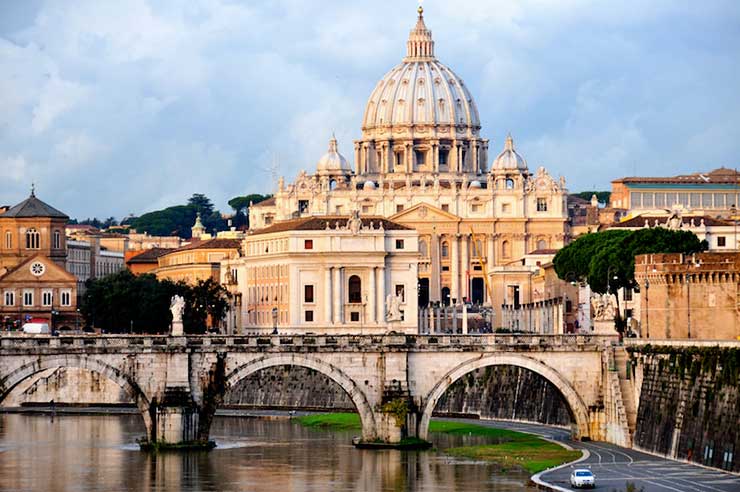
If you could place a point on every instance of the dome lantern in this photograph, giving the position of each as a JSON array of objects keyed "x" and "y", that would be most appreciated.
[
  {"x": 333, "y": 162},
  {"x": 509, "y": 158}
]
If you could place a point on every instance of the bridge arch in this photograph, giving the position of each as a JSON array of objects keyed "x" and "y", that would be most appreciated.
[
  {"x": 367, "y": 417},
  {"x": 577, "y": 406},
  {"x": 25, "y": 371}
]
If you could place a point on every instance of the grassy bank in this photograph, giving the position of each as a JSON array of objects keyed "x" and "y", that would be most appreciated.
[{"x": 508, "y": 449}]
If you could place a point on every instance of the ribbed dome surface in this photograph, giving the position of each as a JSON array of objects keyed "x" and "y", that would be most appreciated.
[
  {"x": 333, "y": 162},
  {"x": 420, "y": 91},
  {"x": 509, "y": 158}
]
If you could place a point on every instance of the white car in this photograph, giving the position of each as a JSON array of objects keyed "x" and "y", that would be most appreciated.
[{"x": 582, "y": 478}]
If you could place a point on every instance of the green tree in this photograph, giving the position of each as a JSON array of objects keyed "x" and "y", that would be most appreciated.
[
  {"x": 606, "y": 260},
  {"x": 240, "y": 204},
  {"x": 206, "y": 299},
  {"x": 602, "y": 196},
  {"x": 175, "y": 220}
]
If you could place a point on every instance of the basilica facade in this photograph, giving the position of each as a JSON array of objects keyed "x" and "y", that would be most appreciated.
[{"x": 421, "y": 162}]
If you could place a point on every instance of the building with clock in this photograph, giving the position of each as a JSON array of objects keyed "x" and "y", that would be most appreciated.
[
  {"x": 422, "y": 162},
  {"x": 33, "y": 252}
]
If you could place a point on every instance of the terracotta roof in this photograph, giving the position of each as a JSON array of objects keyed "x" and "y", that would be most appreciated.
[
  {"x": 319, "y": 224},
  {"x": 149, "y": 255},
  {"x": 720, "y": 175},
  {"x": 33, "y": 207},
  {"x": 639, "y": 221},
  {"x": 265, "y": 203},
  {"x": 216, "y": 243}
]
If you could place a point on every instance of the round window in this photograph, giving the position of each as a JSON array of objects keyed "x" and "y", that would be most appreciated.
[{"x": 37, "y": 268}]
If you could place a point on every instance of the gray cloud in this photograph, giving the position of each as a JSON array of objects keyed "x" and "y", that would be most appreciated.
[{"x": 119, "y": 107}]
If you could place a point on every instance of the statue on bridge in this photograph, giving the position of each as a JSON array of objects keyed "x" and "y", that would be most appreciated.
[
  {"x": 603, "y": 307},
  {"x": 177, "y": 306}
]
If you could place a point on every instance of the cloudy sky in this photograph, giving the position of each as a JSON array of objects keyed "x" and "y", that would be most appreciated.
[{"x": 124, "y": 107}]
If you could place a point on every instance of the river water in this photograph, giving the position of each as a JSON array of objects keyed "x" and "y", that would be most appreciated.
[{"x": 98, "y": 453}]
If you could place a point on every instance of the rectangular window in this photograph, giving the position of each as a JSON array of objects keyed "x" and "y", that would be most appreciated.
[
  {"x": 443, "y": 157},
  {"x": 475, "y": 208},
  {"x": 308, "y": 244},
  {"x": 420, "y": 157},
  {"x": 401, "y": 292},
  {"x": 303, "y": 206},
  {"x": 730, "y": 200},
  {"x": 399, "y": 243},
  {"x": 636, "y": 199},
  {"x": 719, "y": 200},
  {"x": 660, "y": 200},
  {"x": 399, "y": 208},
  {"x": 366, "y": 209},
  {"x": 28, "y": 298},
  {"x": 648, "y": 200},
  {"x": 268, "y": 220},
  {"x": 683, "y": 199},
  {"x": 506, "y": 208},
  {"x": 445, "y": 268},
  {"x": 9, "y": 240},
  {"x": 9, "y": 298},
  {"x": 399, "y": 159},
  {"x": 695, "y": 200},
  {"x": 721, "y": 241},
  {"x": 706, "y": 200},
  {"x": 309, "y": 316},
  {"x": 542, "y": 204},
  {"x": 445, "y": 207},
  {"x": 46, "y": 298},
  {"x": 57, "y": 240},
  {"x": 339, "y": 210},
  {"x": 627, "y": 294},
  {"x": 66, "y": 298},
  {"x": 308, "y": 293},
  {"x": 354, "y": 316}
]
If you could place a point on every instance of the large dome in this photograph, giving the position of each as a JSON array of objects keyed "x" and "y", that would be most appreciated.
[{"x": 421, "y": 91}]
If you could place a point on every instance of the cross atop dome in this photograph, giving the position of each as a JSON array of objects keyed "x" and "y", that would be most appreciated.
[{"x": 420, "y": 46}]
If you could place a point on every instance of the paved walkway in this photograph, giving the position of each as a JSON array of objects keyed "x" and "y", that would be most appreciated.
[{"x": 615, "y": 466}]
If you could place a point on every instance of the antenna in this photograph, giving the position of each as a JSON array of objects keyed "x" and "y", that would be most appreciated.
[{"x": 273, "y": 169}]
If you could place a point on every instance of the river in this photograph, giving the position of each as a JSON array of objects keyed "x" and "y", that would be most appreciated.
[{"x": 99, "y": 453}]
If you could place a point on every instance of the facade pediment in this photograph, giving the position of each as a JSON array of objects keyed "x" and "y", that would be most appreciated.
[
  {"x": 424, "y": 212},
  {"x": 38, "y": 268}
]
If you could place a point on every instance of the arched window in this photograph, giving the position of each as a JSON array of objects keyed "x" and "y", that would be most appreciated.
[
  {"x": 332, "y": 184},
  {"x": 423, "y": 249},
  {"x": 541, "y": 244},
  {"x": 505, "y": 249},
  {"x": 445, "y": 249},
  {"x": 32, "y": 239},
  {"x": 355, "y": 289},
  {"x": 509, "y": 184},
  {"x": 8, "y": 239},
  {"x": 57, "y": 240}
]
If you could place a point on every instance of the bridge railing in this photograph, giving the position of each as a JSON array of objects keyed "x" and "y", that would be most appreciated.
[{"x": 304, "y": 342}]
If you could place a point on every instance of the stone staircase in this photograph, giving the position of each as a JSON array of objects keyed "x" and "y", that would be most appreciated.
[{"x": 627, "y": 389}]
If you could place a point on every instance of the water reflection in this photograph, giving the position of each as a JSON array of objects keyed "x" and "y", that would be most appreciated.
[{"x": 94, "y": 453}]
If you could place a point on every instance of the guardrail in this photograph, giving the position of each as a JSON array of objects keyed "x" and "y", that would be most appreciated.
[{"x": 305, "y": 342}]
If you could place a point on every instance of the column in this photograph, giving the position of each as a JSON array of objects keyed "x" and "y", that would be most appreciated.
[
  {"x": 336, "y": 293},
  {"x": 455, "y": 267},
  {"x": 434, "y": 279},
  {"x": 381, "y": 294},
  {"x": 435, "y": 156},
  {"x": 372, "y": 311},
  {"x": 490, "y": 261},
  {"x": 327, "y": 296},
  {"x": 409, "y": 158},
  {"x": 340, "y": 295},
  {"x": 357, "y": 158},
  {"x": 474, "y": 154},
  {"x": 465, "y": 264}
]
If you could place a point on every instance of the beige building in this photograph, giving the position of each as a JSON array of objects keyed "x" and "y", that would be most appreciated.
[
  {"x": 199, "y": 260},
  {"x": 421, "y": 162},
  {"x": 328, "y": 274},
  {"x": 689, "y": 296}
]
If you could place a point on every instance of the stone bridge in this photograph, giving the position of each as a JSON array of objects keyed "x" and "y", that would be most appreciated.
[{"x": 179, "y": 382}]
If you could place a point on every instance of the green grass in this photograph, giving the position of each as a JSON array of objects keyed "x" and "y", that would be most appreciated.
[
  {"x": 508, "y": 449},
  {"x": 331, "y": 421}
]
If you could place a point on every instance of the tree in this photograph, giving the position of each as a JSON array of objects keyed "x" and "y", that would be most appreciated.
[
  {"x": 175, "y": 220},
  {"x": 601, "y": 196},
  {"x": 240, "y": 204},
  {"x": 606, "y": 260},
  {"x": 206, "y": 301}
]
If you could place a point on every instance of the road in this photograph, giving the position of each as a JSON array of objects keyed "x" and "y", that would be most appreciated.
[{"x": 615, "y": 466}]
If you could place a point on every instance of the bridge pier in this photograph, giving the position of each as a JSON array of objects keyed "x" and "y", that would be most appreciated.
[{"x": 176, "y": 423}]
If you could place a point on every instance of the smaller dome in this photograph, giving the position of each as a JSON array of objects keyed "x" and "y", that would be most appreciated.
[
  {"x": 475, "y": 184},
  {"x": 509, "y": 158},
  {"x": 333, "y": 162},
  {"x": 369, "y": 185}
]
